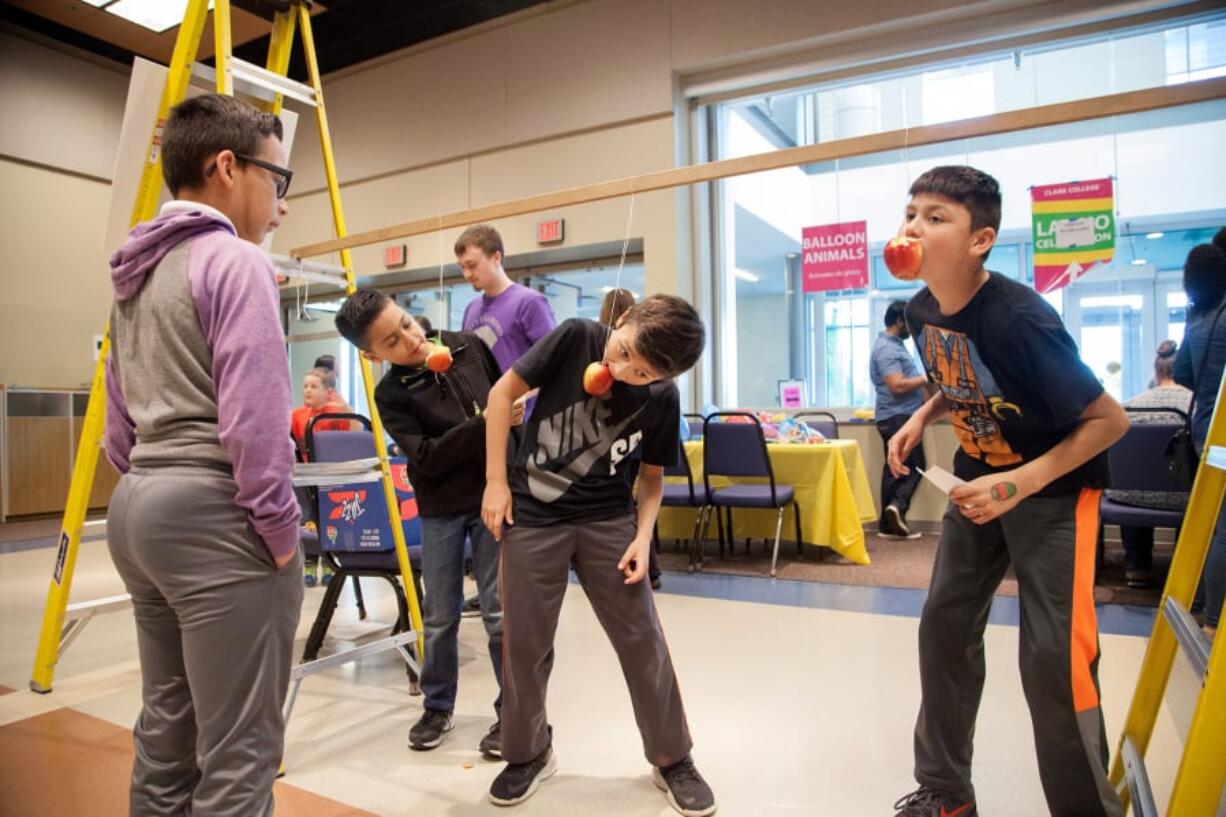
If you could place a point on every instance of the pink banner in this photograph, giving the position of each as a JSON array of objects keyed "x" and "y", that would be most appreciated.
[{"x": 835, "y": 256}]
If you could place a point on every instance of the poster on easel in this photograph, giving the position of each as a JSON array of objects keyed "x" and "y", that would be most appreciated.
[{"x": 1073, "y": 229}]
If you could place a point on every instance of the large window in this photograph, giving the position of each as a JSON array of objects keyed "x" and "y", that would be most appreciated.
[{"x": 1169, "y": 174}]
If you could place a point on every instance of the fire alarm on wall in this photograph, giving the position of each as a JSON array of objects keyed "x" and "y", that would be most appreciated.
[{"x": 394, "y": 256}]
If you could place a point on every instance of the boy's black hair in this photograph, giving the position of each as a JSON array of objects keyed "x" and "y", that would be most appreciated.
[
  {"x": 894, "y": 313},
  {"x": 1219, "y": 239},
  {"x": 357, "y": 313},
  {"x": 326, "y": 362},
  {"x": 205, "y": 125},
  {"x": 973, "y": 189},
  {"x": 668, "y": 333},
  {"x": 1204, "y": 278}
]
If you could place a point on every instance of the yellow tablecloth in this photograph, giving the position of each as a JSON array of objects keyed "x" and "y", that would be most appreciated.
[{"x": 832, "y": 490}]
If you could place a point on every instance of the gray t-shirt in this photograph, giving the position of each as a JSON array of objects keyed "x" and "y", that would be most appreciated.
[{"x": 890, "y": 356}]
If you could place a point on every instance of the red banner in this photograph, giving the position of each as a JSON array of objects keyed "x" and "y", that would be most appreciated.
[{"x": 835, "y": 256}]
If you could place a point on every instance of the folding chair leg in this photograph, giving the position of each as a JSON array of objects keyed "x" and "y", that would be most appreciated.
[
  {"x": 693, "y": 540},
  {"x": 778, "y": 530},
  {"x": 357, "y": 594},
  {"x": 719, "y": 526},
  {"x": 800, "y": 545},
  {"x": 323, "y": 618},
  {"x": 704, "y": 531}
]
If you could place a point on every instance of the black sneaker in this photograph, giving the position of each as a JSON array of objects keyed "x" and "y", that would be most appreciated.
[
  {"x": 471, "y": 607},
  {"x": 518, "y": 781},
  {"x": 429, "y": 730},
  {"x": 685, "y": 789},
  {"x": 491, "y": 744},
  {"x": 893, "y": 526},
  {"x": 926, "y": 802}
]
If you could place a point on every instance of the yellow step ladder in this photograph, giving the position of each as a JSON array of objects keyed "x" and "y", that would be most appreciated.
[
  {"x": 1197, "y": 791},
  {"x": 55, "y": 636}
]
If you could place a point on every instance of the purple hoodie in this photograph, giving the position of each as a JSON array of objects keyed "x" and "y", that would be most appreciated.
[{"x": 198, "y": 373}]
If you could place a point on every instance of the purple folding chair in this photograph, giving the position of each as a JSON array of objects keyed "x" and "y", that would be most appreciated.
[
  {"x": 677, "y": 495},
  {"x": 344, "y": 446},
  {"x": 739, "y": 450},
  {"x": 1138, "y": 463}
]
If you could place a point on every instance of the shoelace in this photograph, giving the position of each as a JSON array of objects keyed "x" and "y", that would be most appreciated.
[
  {"x": 681, "y": 772},
  {"x": 921, "y": 798}
]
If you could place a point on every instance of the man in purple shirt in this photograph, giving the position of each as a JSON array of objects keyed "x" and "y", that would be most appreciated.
[
  {"x": 203, "y": 527},
  {"x": 509, "y": 317}
]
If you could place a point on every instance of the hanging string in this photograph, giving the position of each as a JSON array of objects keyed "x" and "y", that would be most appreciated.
[
  {"x": 442, "y": 296},
  {"x": 617, "y": 282}
]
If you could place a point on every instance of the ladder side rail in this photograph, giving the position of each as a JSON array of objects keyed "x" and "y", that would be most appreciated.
[{"x": 338, "y": 221}]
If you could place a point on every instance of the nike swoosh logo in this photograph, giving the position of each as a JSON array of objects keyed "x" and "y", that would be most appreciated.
[
  {"x": 958, "y": 812},
  {"x": 547, "y": 486}
]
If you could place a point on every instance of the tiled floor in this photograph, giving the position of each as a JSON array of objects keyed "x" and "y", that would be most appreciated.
[{"x": 801, "y": 699}]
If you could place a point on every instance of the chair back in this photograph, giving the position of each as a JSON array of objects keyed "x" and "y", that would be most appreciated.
[
  {"x": 1138, "y": 460},
  {"x": 822, "y": 421},
  {"x": 735, "y": 449},
  {"x": 682, "y": 469},
  {"x": 339, "y": 446}
]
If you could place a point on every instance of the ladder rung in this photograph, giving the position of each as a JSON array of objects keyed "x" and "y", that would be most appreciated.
[
  {"x": 262, "y": 77},
  {"x": 1188, "y": 634},
  {"x": 1216, "y": 457},
  {"x": 1138, "y": 781}
]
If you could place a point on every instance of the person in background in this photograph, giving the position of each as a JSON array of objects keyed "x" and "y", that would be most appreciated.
[
  {"x": 509, "y": 317},
  {"x": 1166, "y": 393},
  {"x": 900, "y": 393},
  {"x": 1199, "y": 366},
  {"x": 319, "y": 396}
]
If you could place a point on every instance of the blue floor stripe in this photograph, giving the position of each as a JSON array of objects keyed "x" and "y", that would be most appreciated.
[{"x": 1113, "y": 619}]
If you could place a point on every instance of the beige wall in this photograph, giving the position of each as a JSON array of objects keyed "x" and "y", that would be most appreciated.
[
  {"x": 559, "y": 95},
  {"x": 928, "y": 504},
  {"x": 56, "y": 291}
]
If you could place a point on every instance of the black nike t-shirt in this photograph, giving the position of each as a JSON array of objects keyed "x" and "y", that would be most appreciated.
[
  {"x": 1011, "y": 374},
  {"x": 576, "y": 448}
]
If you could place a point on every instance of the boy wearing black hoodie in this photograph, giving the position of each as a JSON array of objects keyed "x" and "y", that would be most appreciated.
[{"x": 436, "y": 415}]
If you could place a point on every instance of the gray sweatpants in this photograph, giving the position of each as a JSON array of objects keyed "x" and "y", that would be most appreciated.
[
  {"x": 533, "y": 582},
  {"x": 1051, "y": 543},
  {"x": 215, "y": 626}
]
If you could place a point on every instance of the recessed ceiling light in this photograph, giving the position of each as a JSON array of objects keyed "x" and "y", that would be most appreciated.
[
  {"x": 1154, "y": 236},
  {"x": 1139, "y": 262},
  {"x": 155, "y": 15},
  {"x": 98, "y": 3},
  {"x": 746, "y": 276}
]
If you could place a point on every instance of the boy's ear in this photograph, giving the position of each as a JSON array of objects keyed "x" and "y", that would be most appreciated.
[
  {"x": 370, "y": 356},
  {"x": 982, "y": 240}
]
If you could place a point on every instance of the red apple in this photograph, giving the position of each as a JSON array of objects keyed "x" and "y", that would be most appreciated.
[
  {"x": 904, "y": 256},
  {"x": 597, "y": 379},
  {"x": 439, "y": 359}
]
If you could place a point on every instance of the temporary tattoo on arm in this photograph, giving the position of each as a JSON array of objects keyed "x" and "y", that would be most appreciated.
[{"x": 1004, "y": 490}]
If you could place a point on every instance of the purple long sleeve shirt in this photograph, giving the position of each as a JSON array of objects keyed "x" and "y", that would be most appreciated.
[{"x": 198, "y": 373}]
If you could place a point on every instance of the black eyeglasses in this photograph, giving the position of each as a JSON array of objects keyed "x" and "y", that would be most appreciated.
[{"x": 284, "y": 174}]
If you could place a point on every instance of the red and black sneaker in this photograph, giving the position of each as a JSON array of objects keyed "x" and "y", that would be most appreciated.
[{"x": 927, "y": 802}]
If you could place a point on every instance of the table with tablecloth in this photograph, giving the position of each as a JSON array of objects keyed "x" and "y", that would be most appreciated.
[{"x": 832, "y": 490}]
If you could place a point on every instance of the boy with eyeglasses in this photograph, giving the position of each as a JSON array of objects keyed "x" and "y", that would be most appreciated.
[{"x": 203, "y": 527}]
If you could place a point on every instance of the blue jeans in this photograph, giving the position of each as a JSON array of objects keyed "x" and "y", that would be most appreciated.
[{"x": 442, "y": 569}]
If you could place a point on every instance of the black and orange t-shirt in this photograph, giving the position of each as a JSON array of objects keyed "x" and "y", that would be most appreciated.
[{"x": 1012, "y": 377}]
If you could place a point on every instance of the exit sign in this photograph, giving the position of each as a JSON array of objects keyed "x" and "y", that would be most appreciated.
[
  {"x": 550, "y": 232},
  {"x": 394, "y": 255}
]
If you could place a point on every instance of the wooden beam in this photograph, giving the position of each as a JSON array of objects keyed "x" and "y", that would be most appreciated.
[{"x": 1039, "y": 117}]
